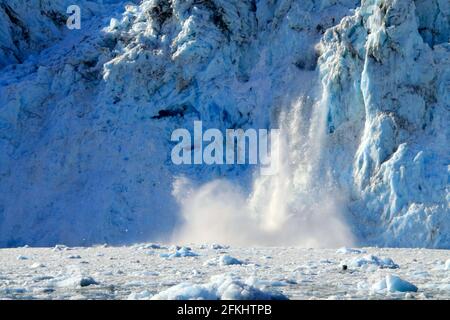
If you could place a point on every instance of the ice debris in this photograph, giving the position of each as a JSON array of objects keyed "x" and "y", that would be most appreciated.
[
  {"x": 393, "y": 283},
  {"x": 221, "y": 287},
  {"x": 371, "y": 260},
  {"x": 77, "y": 281},
  {"x": 345, "y": 250},
  {"x": 180, "y": 253},
  {"x": 37, "y": 265},
  {"x": 224, "y": 260}
]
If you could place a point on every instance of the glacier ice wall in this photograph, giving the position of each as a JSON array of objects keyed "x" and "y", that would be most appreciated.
[
  {"x": 86, "y": 115},
  {"x": 396, "y": 71},
  {"x": 27, "y": 27}
]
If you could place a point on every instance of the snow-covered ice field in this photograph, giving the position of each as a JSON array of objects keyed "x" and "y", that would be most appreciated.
[{"x": 149, "y": 271}]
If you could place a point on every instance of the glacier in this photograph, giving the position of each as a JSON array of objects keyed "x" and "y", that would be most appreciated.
[{"x": 361, "y": 88}]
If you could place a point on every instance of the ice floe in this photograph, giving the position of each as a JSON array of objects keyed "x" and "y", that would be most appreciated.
[
  {"x": 345, "y": 250},
  {"x": 393, "y": 283},
  {"x": 371, "y": 260},
  {"x": 180, "y": 253},
  {"x": 221, "y": 287}
]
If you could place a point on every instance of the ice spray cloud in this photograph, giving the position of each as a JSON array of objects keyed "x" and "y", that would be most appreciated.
[{"x": 296, "y": 204}]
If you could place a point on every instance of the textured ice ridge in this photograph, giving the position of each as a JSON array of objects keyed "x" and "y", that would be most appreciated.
[{"x": 86, "y": 116}]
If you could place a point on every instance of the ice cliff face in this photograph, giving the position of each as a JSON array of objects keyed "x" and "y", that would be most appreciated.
[
  {"x": 86, "y": 115},
  {"x": 385, "y": 72}
]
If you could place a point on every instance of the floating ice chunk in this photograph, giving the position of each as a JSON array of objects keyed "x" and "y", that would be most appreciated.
[
  {"x": 236, "y": 290},
  {"x": 144, "y": 295},
  {"x": 180, "y": 253},
  {"x": 20, "y": 257},
  {"x": 7, "y": 291},
  {"x": 345, "y": 250},
  {"x": 59, "y": 247},
  {"x": 216, "y": 246},
  {"x": 77, "y": 281},
  {"x": 186, "y": 252},
  {"x": 87, "y": 281},
  {"x": 196, "y": 273},
  {"x": 150, "y": 273},
  {"x": 37, "y": 265},
  {"x": 186, "y": 291},
  {"x": 227, "y": 260},
  {"x": 222, "y": 287},
  {"x": 370, "y": 260},
  {"x": 152, "y": 246},
  {"x": 393, "y": 283}
]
